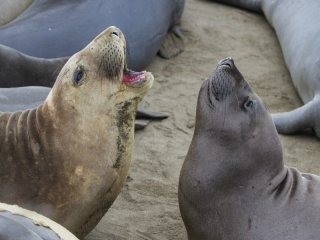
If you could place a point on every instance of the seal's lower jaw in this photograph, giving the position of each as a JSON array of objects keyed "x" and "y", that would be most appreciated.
[{"x": 137, "y": 79}]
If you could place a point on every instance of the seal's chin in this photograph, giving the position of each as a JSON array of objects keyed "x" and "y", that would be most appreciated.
[{"x": 135, "y": 79}]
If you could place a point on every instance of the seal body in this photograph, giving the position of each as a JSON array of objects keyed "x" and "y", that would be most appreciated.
[
  {"x": 297, "y": 26},
  {"x": 22, "y": 98},
  {"x": 52, "y": 29},
  {"x": 68, "y": 158},
  {"x": 298, "y": 31},
  {"x": 233, "y": 183},
  {"x": 18, "y": 69},
  {"x": 17, "y": 223},
  {"x": 10, "y": 9}
]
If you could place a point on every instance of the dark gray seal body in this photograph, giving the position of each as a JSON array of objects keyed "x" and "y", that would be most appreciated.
[
  {"x": 52, "y": 29},
  {"x": 297, "y": 27},
  {"x": 22, "y": 98},
  {"x": 10, "y": 9},
  {"x": 18, "y": 69},
  {"x": 233, "y": 183},
  {"x": 17, "y": 223}
]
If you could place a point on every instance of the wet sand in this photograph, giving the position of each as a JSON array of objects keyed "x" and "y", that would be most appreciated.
[{"x": 147, "y": 207}]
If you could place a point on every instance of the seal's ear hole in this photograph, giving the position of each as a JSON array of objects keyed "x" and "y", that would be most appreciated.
[
  {"x": 250, "y": 104},
  {"x": 78, "y": 76}
]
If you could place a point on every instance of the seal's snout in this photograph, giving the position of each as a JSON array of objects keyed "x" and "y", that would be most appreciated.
[
  {"x": 223, "y": 81},
  {"x": 116, "y": 32},
  {"x": 228, "y": 62},
  {"x": 227, "y": 70}
]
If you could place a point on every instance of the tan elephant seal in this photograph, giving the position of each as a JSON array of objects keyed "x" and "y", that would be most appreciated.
[
  {"x": 233, "y": 183},
  {"x": 69, "y": 158}
]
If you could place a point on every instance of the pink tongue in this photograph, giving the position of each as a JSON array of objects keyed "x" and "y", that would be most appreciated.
[{"x": 131, "y": 78}]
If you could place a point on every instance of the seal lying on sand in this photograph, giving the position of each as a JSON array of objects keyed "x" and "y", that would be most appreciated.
[
  {"x": 10, "y": 9},
  {"x": 17, "y": 223},
  {"x": 52, "y": 29},
  {"x": 18, "y": 69},
  {"x": 20, "y": 99},
  {"x": 233, "y": 183},
  {"x": 297, "y": 26},
  {"x": 68, "y": 158}
]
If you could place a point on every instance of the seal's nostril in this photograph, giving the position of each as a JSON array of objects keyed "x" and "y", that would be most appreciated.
[
  {"x": 115, "y": 33},
  {"x": 227, "y": 62}
]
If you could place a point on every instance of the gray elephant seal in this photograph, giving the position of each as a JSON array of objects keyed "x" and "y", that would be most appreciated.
[
  {"x": 42, "y": 30},
  {"x": 297, "y": 27},
  {"x": 68, "y": 159},
  {"x": 17, "y": 223},
  {"x": 18, "y": 69},
  {"x": 233, "y": 183},
  {"x": 23, "y": 98}
]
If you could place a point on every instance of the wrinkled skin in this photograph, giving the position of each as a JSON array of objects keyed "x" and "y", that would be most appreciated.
[{"x": 73, "y": 152}]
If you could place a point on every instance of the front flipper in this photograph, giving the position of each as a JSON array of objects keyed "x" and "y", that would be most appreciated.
[
  {"x": 173, "y": 44},
  {"x": 144, "y": 114},
  {"x": 144, "y": 117},
  {"x": 307, "y": 116}
]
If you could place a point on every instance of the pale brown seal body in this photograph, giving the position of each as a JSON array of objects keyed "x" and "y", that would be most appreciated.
[
  {"x": 68, "y": 158},
  {"x": 233, "y": 183}
]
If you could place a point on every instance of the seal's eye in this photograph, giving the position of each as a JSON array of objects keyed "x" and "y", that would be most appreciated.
[
  {"x": 249, "y": 104},
  {"x": 78, "y": 76}
]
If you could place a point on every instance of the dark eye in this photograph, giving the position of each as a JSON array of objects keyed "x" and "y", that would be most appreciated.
[
  {"x": 249, "y": 104},
  {"x": 78, "y": 76}
]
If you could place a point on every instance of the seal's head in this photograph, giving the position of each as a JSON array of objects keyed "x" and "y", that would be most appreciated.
[
  {"x": 229, "y": 110},
  {"x": 232, "y": 122},
  {"x": 96, "y": 79}
]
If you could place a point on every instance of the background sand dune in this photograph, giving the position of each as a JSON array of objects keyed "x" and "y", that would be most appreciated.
[{"x": 148, "y": 206}]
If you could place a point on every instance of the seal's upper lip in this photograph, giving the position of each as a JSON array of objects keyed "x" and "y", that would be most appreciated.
[{"x": 131, "y": 77}]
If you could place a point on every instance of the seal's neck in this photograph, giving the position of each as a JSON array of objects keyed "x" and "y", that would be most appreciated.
[{"x": 228, "y": 166}]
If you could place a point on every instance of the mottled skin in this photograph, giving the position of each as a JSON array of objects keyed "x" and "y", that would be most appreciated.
[
  {"x": 296, "y": 23},
  {"x": 17, "y": 223},
  {"x": 68, "y": 158},
  {"x": 233, "y": 183}
]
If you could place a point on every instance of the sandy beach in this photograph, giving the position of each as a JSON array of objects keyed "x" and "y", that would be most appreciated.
[{"x": 147, "y": 207}]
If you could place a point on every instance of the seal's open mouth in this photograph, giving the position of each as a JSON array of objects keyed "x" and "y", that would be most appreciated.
[{"x": 131, "y": 77}]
